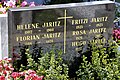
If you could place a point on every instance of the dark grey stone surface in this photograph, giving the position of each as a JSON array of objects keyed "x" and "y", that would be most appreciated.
[{"x": 66, "y": 32}]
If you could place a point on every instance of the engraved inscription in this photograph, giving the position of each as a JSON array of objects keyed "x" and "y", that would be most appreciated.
[{"x": 77, "y": 33}]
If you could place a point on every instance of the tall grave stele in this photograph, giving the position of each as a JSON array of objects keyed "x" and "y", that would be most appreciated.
[{"x": 66, "y": 27}]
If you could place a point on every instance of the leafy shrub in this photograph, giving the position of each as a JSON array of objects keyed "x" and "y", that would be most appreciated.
[
  {"x": 49, "y": 65},
  {"x": 53, "y": 67},
  {"x": 104, "y": 64},
  {"x": 97, "y": 62}
]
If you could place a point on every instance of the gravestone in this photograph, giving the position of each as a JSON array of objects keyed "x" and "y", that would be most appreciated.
[{"x": 66, "y": 27}]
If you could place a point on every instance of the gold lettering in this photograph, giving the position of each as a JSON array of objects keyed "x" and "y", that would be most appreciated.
[
  {"x": 99, "y": 30},
  {"x": 99, "y": 19},
  {"x": 28, "y": 43},
  {"x": 79, "y": 27},
  {"x": 98, "y": 41},
  {"x": 78, "y": 49},
  {"x": 51, "y": 24},
  {"x": 52, "y": 35},
  {"x": 78, "y": 43},
  {"x": 28, "y": 32},
  {"x": 37, "y": 37},
  {"x": 50, "y": 30},
  {"x": 58, "y": 23},
  {"x": 27, "y": 38},
  {"x": 106, "y": 18},
  {"x": 28, "y": 26},
  {"x": 49, "y": 41},
  {"x": 35, "y": 25},
  {"x": 79, "y": 21},
  {"x": 17, "y": 39},
  {"x": 20, "y": 27},
  {"x": 78, "y": 32},
  {"x": 79, "y": 38},
  {"x": 99, "y": 25}
]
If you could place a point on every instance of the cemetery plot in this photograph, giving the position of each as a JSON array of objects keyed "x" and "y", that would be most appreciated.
[{"x": 66, "y": 27}]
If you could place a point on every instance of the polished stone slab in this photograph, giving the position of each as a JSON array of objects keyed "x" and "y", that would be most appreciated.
[{"x": 66, "y": 26}]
